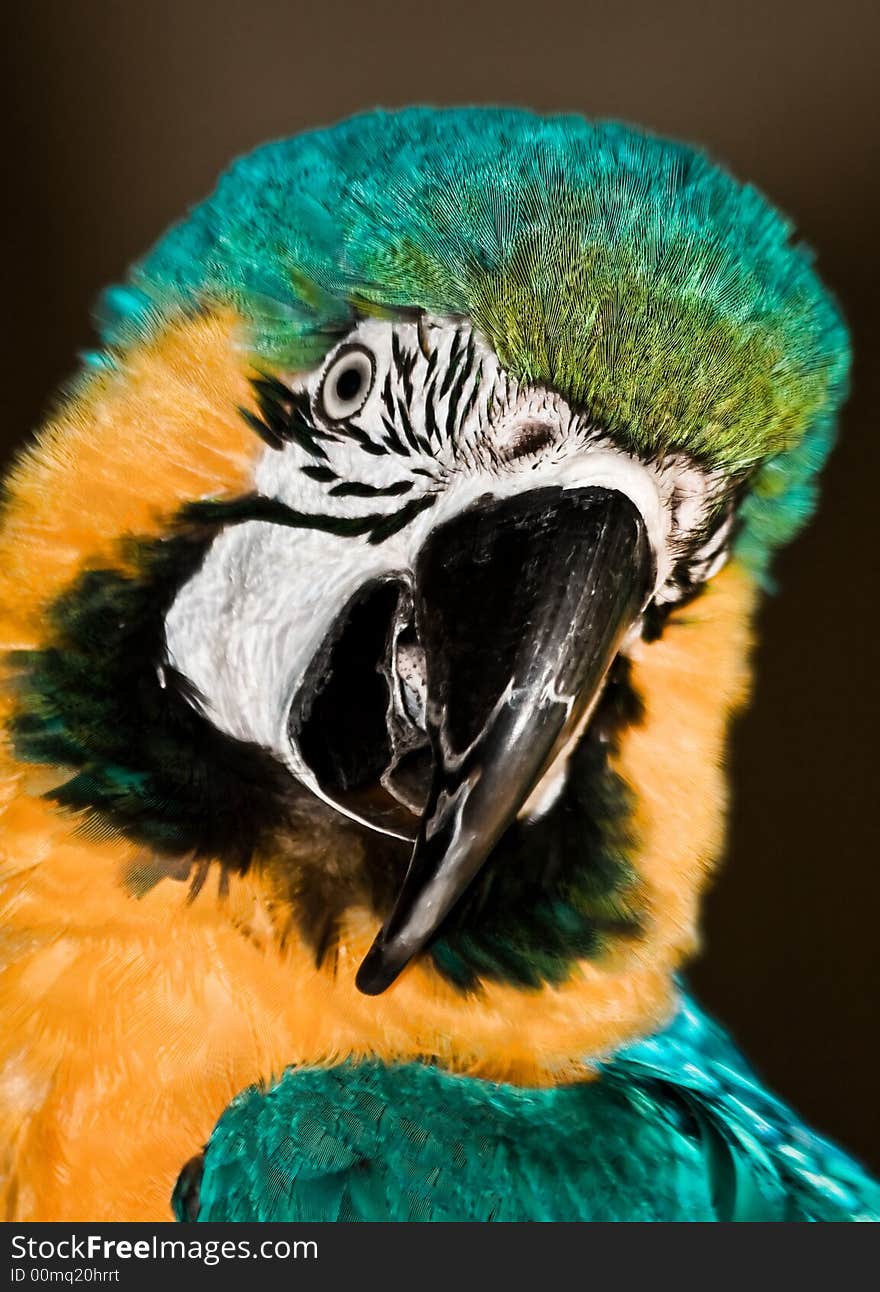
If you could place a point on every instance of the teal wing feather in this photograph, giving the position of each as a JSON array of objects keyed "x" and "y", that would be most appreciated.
[
  {"x": 676, "y": 1127},
  {"x": 758, "y": 1134},
  {"x": 368, "y": 1142}
]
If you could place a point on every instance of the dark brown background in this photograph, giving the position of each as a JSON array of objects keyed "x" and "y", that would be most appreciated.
[{"x": 122, "y": 114}]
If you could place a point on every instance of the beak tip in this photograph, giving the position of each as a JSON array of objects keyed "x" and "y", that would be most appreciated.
[{"x": 376, "y": 972}]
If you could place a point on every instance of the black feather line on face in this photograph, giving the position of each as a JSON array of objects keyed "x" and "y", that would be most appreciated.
[
  {"x": 363, "y": 441},
  {"x": 305, "y": 435},
  {"x": 473, "y": 396},
  {"x": 283, "y": 417},
  {"x": 456, "y": 354},
  {"x": 392, "y": 439},
  {"x": 453, "y": 415},
  {"x": 405, "y": 362},
  {"x": 431, "y": 424},
  {"x": 238, "y": 511},
  {"x": 267, "y": 433},
  {"x": 354, "y": 489},
  {"x": 418, "y": 442}
]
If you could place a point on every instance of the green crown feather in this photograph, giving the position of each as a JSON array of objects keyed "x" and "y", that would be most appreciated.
[{"x": 627, "y": 272}]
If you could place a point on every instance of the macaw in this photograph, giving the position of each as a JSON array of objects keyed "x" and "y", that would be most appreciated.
[{"x": 373, "y": 608}]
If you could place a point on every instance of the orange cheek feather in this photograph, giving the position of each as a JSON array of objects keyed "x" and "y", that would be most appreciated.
[{"x": 130, "y": 1022}]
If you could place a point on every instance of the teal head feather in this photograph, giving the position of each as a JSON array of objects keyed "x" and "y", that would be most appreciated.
[{"x": 629, "y": 273}]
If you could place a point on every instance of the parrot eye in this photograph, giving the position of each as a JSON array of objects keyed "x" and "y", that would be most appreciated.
[{"x": 347, "y": 383}]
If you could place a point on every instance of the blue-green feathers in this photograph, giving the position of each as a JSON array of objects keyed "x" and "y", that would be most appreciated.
[
  {"x": 630, "y": 273},
  {"x": 676, "y": 1128}
]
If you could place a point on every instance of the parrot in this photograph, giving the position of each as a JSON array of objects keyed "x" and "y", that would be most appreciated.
[{"x": 374, "y": 605}]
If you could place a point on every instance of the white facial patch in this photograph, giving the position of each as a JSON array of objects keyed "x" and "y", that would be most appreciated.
[{"x": 404, "y": 425}]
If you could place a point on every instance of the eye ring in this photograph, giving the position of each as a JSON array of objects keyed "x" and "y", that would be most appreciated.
[{"x": 346, "y": 385}]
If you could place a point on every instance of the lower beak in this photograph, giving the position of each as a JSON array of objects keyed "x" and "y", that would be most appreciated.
[{"x": 520, "y": 606}]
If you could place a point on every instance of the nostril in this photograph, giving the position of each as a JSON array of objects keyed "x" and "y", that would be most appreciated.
[{"x": 528, "y": 438}]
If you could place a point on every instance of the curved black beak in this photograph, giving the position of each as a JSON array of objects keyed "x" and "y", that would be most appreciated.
[{"x": 520, "y": 604}]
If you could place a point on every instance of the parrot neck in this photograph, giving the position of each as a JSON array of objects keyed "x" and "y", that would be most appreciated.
[{"x": 232, "y": 965}]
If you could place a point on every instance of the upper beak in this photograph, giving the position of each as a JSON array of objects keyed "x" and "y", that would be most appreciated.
[{"x": 521, "y": 604}]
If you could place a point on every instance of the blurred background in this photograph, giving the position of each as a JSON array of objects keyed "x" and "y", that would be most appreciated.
[{"x": 121, "y": 115}]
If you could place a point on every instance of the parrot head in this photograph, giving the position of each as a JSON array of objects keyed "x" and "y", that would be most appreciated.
[
  {"x": 416, "y": 610},
  {"x": 398, "y": 548}
]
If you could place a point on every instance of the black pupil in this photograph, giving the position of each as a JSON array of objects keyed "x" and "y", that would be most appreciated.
[{"x": 348, "y": 384}]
